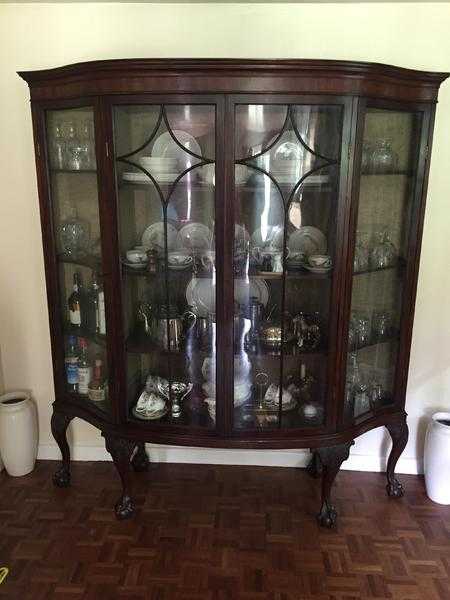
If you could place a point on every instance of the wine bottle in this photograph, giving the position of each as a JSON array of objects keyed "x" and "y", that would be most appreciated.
[
  {"x": 75, "y": 302},
  {"x": 72, "y": 364},
  {"x": 96, "y": 322},
  {"x": 97, "y": 387},
  {"x": 84, "y": 369}
]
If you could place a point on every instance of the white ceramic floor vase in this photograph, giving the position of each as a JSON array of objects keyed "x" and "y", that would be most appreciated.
[
  {"x": 437, "y": 458},
  {"x": 18, "y": 433}
]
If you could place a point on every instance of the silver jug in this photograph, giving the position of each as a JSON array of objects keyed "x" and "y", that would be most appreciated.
[{"x": 171, "y": 331}]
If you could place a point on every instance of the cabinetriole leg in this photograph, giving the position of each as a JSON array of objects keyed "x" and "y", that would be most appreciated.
[
  {"x": 121, "y": 450},
  {"x": 59, "y": 423},
  {"x": 399, "y": 435},
  {"x": 331, "y": 459},
  {"x": 314, "y": 467},
  {"x": 140, "y": 460}
]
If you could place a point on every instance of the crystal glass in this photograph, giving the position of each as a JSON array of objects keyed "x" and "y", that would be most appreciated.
[
  {"x": 383, "y": 253},
  {"x": 384, "y": 159},
  {"x": 382, "y": 324},
  {"x": 75, "y": 149},
  {"x": 87, "y": 145},
  {"x": 74, "y": 235},
  {"x": 361, "y": 256},
  {"x": 58, "y": 147},
  {"x": 362, "y": 327}
]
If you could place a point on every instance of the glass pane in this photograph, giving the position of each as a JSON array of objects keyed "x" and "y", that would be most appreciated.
[
  {"x": 286, "y": 183},
  {"x": 166, "y": 187},
  {"x": 389, "y": 162},
  {"x": 74, "y": 195}
]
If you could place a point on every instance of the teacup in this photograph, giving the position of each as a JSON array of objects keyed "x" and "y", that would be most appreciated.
[
  {"x": 296, "y": 257},
  {"x": 319, "y": 260},
  {"x": 137, "y": 256},
  {"x": 208, "y": 260},
  {"x": 179, "y": 258}
]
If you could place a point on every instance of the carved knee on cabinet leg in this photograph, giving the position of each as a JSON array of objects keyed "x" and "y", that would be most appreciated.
[
  {"x": 140, "y": 460},
  {"x": 59, "y": 423},
  {"x": 399, "y": 434}
]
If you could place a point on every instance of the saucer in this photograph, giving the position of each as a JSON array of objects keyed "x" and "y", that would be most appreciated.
[
  {"x": 135, "y": 266},
  {"x": 318, "y": 269}
]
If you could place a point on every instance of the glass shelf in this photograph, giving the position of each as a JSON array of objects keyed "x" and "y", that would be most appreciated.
[{"x": 72, "y": 171}]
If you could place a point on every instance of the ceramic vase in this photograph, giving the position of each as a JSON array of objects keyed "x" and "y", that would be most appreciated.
[
  {"x": 18, "y": 433},
  {"x": 437, "y": 458}
]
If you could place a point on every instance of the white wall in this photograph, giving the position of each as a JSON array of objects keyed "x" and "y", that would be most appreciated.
[{"x": 39, "y": 36}]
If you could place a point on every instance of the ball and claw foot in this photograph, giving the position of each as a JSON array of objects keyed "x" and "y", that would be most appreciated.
[
  {"x": 124, "y": 508},
  {"x": 394, "y": 489},
  {"x": 61, "y": 477},
  {"x": 327, "y": 516},
  {"x": 140, "y": 461}
]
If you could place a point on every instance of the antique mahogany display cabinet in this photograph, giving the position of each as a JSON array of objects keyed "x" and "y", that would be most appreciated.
[{"x": 231, "y": 252}]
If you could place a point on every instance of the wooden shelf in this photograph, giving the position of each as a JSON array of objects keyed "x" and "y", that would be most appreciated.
[
  {"x": 91, "y": 262},
  {"x": 388, "y": 173},
  {"x": 52, "y": 170},
  {"x": 95, "y": 338},
  {"x": 139, "y": 343},
  {"x": 393, "y": 337}
]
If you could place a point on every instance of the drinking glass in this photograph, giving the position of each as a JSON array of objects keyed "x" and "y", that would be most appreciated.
[
  {"x": 385, "y": 160},
  {"x": 381, "y": 324},
  {"x": 361, "y": 256},
  {"x": 58, "y": 147},
  {"x": 362, "y": 326},
  {"x": 383, "y": 253}
]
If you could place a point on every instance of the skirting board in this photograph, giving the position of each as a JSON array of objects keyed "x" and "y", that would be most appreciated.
[{"x": 267, "y": 458}]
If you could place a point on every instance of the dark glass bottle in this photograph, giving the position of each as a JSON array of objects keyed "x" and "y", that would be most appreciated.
[{"x": 75, "y": 303}]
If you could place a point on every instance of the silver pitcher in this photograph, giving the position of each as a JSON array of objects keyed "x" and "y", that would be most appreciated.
[{"x": 171, "y": 331}]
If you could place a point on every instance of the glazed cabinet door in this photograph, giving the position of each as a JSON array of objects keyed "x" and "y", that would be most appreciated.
[
  {"x": 77, "y": 271},
  {"x": 386, "y": 238},
  {"x": 290, "y": 169},
  {"x": 166, "y": 188}
]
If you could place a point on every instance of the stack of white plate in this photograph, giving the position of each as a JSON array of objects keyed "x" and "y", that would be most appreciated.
[{"x": 161, "y": 167}]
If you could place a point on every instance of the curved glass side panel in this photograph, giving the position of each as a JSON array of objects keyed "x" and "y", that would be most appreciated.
[
  {"x": 166, "y": 189},
  {"x": 388, "y": 174},
  {"x": 286, "y": 190},
  {"x": 74, "y": 198}
]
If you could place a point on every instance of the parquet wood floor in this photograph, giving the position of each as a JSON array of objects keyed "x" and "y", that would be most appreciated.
[{"x": 219, "y": 533}]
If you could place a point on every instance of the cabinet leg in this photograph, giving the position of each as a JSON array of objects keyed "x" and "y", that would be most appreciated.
[
  {"x": 331, "y": 458},
  {"x": 140, "y": 460},
  {"x": 314, "y": 467},
  {"x": 59, "y": 423},
  {"x": 399, "y": 435},
  {"x": 121, "y": 450}
]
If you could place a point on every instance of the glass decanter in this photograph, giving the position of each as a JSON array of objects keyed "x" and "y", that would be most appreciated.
[
  {"x": 384, "y": 253},
  {"x": 385, "y": 160},
  {"x": 58, "y": 148},
  {"x": 74, "y": 235},
  {"x": 75, "y": 149}
]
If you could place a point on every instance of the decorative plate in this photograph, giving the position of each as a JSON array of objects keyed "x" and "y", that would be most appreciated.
[
  {"x": 154, "y": 236},
  {"x": 196, "y": 236},
  {"x": 307, "y": 239},
  {"x": 165, "y": 146}
]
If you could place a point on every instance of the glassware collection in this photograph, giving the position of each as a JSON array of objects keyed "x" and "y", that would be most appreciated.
[
  {"x": 72, "y": 146},
  {"x": 365, "y": 330},
  {"x": 364, "y": 390},
  {"x": 374, "y": 252},
  {"x": 378, "y": 157}
]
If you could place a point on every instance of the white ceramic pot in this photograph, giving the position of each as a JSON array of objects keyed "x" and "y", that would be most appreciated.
[
  {"x": 18, "y": 433},
  {"x": 437, "y": 458}
]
